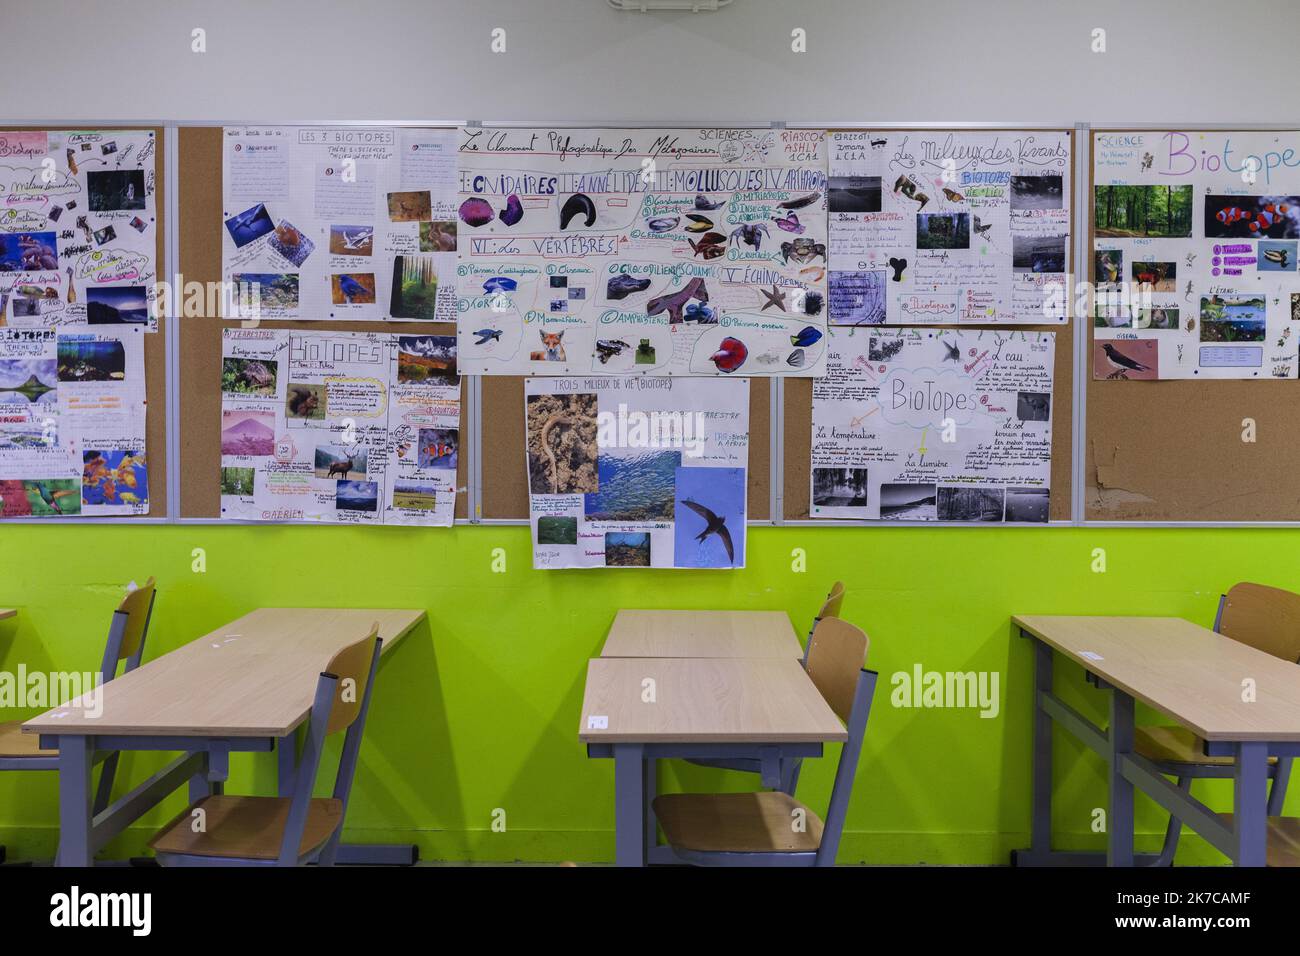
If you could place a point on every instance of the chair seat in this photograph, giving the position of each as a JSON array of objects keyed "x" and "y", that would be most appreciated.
[
  {"x": 1283, "y": 840},
  {"x": 246, "y": 828},
  {"x": 1176, "y": 745},
  {"x": 760, "y": 822},
  {"x": 15, "y": 743}
]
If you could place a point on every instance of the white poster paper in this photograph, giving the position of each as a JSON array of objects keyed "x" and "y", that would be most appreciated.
[
  {"x": 1194, "y": 254},
  {"x": 78, "y": 228},
  {"x": 949, "y": 227},
  {"x": 637, "y": 472},
  {"x": 339, "y": 222},
  {"x": 359, "y": 428},
  {"x": 72, "y": 423},
  {"x": 933, "y": 425},
  {"x": 642, "y": 251}
]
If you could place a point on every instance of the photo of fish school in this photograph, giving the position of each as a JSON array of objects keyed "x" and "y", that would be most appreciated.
[{"x": 498, "y": 471}]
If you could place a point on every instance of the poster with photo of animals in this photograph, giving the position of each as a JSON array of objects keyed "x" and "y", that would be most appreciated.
[
  {"x": 923, "y": 424},
  {"x": 352, "y": 428},
  {"x": 947, "y": 227},
  {"x": 72, "y": 423},
  {"x": 642, "y": 251},
  {"x": 348, "y": 222},
  {"x": 643, "y": 472},
  {"x": 1194, "y": 239},
  {"x": 78, "y": 228}
]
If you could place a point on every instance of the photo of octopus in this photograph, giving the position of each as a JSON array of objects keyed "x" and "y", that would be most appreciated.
[{"x": 562, "y": 444}]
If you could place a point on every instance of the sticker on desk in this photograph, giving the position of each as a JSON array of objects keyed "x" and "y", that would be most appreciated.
[
  {"x": 1091, "y": 655},
  {"x": 598, "y": 722}
]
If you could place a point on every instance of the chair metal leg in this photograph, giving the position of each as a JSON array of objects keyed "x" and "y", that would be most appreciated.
[
  {"x": 104, "y": 790},
  {"x": 1277, "y": 790},
  {"x": 1173, "y": 831}
]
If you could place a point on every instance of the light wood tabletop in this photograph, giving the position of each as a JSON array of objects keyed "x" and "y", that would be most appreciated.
[
  {"x": 1186, "y": 672},
  {"x": 7, "y": 612},
  {"x": 254, "y": 677},
  {"x": 750, "y": 634},
  {"x": 704, "y": 700}
]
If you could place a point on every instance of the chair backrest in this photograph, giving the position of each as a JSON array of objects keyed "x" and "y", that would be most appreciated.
[
  {"x": 342, "y": 701},
  {"x": 130, "y": 627},
  {"x": 830, "y": 608},
  {"x": 1264, "y": 617}
]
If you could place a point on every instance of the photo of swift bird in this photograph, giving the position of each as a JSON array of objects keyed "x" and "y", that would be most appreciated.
[{"x": 713, "y": 524}]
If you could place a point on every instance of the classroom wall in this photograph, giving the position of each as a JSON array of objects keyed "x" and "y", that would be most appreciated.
[{"x": 479, "y": 710}]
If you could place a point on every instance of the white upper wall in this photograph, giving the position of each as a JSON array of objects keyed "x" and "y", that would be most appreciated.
[{"x": 933, "y": 61}]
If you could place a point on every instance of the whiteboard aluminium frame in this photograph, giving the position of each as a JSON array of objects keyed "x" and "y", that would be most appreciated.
[{"x": 1081, "y": 159}]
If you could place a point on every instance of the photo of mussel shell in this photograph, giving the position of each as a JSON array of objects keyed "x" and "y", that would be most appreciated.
[{"x": 562, "y": 444}]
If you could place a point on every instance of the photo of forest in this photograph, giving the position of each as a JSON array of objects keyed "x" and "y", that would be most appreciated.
[{"x": 1131, "y": 211}]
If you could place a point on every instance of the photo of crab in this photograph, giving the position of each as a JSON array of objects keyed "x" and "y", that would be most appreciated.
[
  {"x": 353, "y": 288},
  {"x": 439, "y": 448},
  {"x": 114, "y": 478},
  {"x": 105, "y": 235},
  {"x": 48, "y": 496},
  {"x": 427, "y": 360},
  {"x": 110, "y": 190},
  {"x": 709, "y": 524},
  {"x": 1232, "y": 320},
  {"x": 1276, "y": 255},
  {"x": 1027, "y": 504},
  {"x": 1038, "y": 254},
  {"x": 412, "y": 496},
  {"x": 1127, "y": 359},
  {"x": 29, "y": 381},
  {"x": 1163, "y": 317},
  {"x": 557, "y": 529},
  {"x": 942, "y": 230},
  {"x": 306, "y": 402},
  {"x": 241, "y": 376},
  {"x": 561, "y": 442},
  {"x": 634, "y": 484},
  {"x": 237, "y": 481},
  {"x": 82, "y": 359},
  {"x": 1143, "y": 211},
  {"x": 853, "y": 193},
  {"x": 1037, "y": 192},
  {"x": 410, "y": 206},
  {"x": 627, "y": 549},
  {"x": 438, "y": 236},
  {"x": 1034, "y": 406},
  {"x": 28, "y": 251},
  {"x": 289, "y": 242},
  {"x": 969, "y": 504},
  {"x": 1155, "y": 276},
  {"x": 1252, "y": 217},
  {"x": 249, "y": 433},
  {"x": 251, "y": 224},
  {"x": 352, "y": 240},
  {"x": 415, "y": 288},
  {"x": 271, "y": 290},
  {"x": 839, "y": 487},
  {"x": 117, "y": 305},
  {"x": 901, "y": 501},
  {"x": 357, "y": 496},
  {"x": 335, "y": 461}
]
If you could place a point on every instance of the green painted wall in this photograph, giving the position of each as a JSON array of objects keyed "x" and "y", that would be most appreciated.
[{"x": 479, "y": 710}]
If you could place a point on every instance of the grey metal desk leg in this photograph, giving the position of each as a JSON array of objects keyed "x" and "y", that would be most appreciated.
[
  {"x": 76, "y": 755},
  {"x": 1250, "y": 803},
  {"x": 200, "y": 786},
  {"x": 1119, "y": 824},
  {"x": 629, "y": 801},
  {"x": 1040, "y": 827},
  {"x": 286, "y": 763},
  {"x": 651, "y": 789}
]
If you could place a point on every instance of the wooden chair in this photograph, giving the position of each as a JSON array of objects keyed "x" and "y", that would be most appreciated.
[
  {"x": 1265, "y": 618},
  {"x": 1283, "y": 841},
  {"x": 126, "y": 637},
  {"x": 294, "y": 830},
  {"x": 789, "y": 770},
  {"x": 763, "y": 829}
]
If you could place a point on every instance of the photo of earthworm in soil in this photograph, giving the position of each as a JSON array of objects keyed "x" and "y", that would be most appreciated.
[{"x": 562, "y": 444}]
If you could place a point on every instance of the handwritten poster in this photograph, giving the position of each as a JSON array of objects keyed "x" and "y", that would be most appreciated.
[
  {"x": 644, "y": 472},
  {"x": 1194, "y": 254},
  {"x": 72, "y": 423},
  {"x": 642, "y": 251},
  {"x": 356, "y": 428},
  {"x": 78, "y": 228},
  {"x": 945, "y": 227},
  {"x": 339, "y": 222},
  {"x": 933, "y": 425}
]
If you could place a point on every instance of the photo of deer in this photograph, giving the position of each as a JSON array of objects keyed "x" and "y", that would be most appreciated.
[{"x": 334, "y": 461}]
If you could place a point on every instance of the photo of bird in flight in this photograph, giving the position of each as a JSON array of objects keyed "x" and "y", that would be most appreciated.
[{"x": 713, "y": 524}]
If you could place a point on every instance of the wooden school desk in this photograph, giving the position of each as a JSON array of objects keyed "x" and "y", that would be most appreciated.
[
  {"x": 244, "y": 687},
  {"x": 702, "y": 634},
  {"x": 763, "y": 709},
  {"x": 7, "y": 612},
  {"x": 1191, "y": 675}
]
